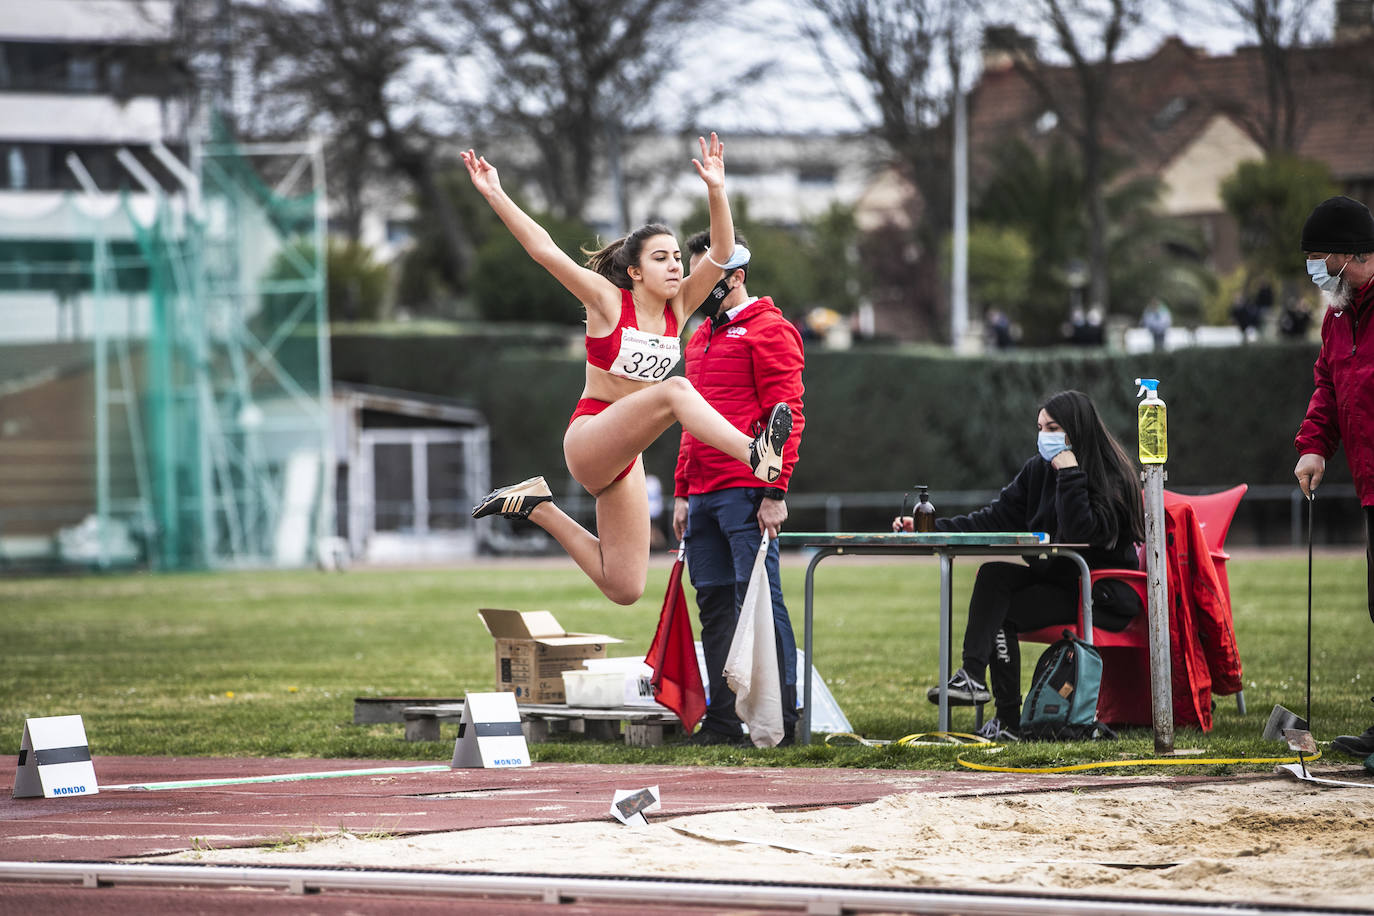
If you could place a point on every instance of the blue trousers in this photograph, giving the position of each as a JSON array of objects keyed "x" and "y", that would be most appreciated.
[{"x": 722, "y": 542}]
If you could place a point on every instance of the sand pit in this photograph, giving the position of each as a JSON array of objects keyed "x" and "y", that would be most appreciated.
[{"x": 1271, "y": 840}]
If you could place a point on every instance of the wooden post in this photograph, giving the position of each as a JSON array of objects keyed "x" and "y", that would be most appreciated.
[{"x": 1156, "y": 566}]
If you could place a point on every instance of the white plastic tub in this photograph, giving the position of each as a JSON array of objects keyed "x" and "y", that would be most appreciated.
[{"x": 604, "y": 689}]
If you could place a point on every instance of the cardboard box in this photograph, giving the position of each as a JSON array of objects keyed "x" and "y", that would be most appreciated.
[{"x": 533, "y": 650}]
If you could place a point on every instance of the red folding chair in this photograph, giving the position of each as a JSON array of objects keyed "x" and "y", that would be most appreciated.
[
  {"x": 1128, "y": 651},
  {"x": 1214, "y": 514}
]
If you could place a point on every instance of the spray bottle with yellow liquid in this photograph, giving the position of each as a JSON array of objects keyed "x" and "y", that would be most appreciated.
[{"x": 1152, "y": 427}]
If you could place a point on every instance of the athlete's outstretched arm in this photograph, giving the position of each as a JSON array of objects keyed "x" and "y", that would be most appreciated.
[
  {"x": 591, "y": 289},
  {"x": 711, "y": 168}
]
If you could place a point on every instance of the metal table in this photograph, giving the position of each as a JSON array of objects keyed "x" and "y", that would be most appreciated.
[{"x": 943, "y": 544}]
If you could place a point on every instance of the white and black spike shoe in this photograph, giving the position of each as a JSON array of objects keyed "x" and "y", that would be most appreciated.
[
  {"x": 765, "y": 455},
  {"x": 514, "y": 501}
]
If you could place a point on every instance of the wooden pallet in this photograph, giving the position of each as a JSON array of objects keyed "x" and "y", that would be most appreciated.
[
  {"x": 639, "y": 726},
  {"x": 371, "y": 710}
]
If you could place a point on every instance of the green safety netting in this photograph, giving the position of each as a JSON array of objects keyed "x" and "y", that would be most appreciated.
[{"x": 164, "y": 376}]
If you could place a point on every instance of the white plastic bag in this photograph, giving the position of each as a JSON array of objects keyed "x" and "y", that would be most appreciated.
[{"x": 751, "y": 668}]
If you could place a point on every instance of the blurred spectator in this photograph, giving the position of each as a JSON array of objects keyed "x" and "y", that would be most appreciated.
[
  {"x": 821, "y": 319},
  {"x": 1157, "y": 320},
  {"x": 1085, "y": 328},
  {"x": 999, "y": 330},
  {"x": 1246, "y": 314},
  {"x": 1077, "y": 327},
  {"x": 1097, "y": 330},
  {"x": 1296, "y": 319},
  {"x": 654, "y": 487}
]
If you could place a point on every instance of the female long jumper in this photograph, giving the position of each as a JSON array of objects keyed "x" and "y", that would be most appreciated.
[{"x": 637, "y": 301}]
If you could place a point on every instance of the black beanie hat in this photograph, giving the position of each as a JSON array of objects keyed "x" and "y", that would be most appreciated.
[{"x": 1339, "y": 225}]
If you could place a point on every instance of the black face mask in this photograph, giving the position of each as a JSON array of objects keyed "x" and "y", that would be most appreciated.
[{"x": 711, "y": 305}]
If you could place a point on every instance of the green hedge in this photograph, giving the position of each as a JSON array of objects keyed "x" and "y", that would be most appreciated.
[
  {"x": 885, "y": 418},
  {"x": 891, "y": 419}
]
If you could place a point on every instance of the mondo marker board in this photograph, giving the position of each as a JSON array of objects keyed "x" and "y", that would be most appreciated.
[
  {"x": 489, "y": 734},
  {"x": 54, "y": 759}
]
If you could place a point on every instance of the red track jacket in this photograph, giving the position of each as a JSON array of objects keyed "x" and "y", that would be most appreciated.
[
  {"x": 1202, "y": 634},
  {"x": 743, "y": 367},
  {"x": 1202, "y": 638},
  {"x": 1342, "y": 405}
]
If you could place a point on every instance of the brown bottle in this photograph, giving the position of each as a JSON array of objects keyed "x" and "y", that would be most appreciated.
[{"x": 923, "y": 514}]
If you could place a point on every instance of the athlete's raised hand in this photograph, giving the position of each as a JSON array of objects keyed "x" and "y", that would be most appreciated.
[
  {"x": 711, "y": 165},
  {"x": 482, "y": 172}
]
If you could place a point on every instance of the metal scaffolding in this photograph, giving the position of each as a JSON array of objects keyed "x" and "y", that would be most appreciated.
[{"x": 203, "y": 307}]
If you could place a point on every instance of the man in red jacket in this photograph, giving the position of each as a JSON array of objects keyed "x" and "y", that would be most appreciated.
[
  {"x": 744, "y": 358},
  {"x": 1338, "y": 239}
]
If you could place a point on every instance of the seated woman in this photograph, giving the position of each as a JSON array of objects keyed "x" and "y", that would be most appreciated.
[{"x": 1081, "y": 489}]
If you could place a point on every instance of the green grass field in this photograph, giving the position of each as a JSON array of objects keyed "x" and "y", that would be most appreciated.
[{"x": 268, "y": 663}]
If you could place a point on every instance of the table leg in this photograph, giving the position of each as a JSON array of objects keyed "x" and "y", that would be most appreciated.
[
  {"x": 946, "y": 615},
  {"x": 805, "y": 724},
  {"x": 1085, "y": 580}
]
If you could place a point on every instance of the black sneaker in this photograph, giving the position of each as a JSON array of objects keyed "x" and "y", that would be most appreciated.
[
  {"x": 709, "y": 737},
  {"x": 963, "y": 691},
  {"x": 995, "y": 730},
  {"x": 514, "y": 501},
  {"x": 1360, "y": 746},
  {"x": 765, "y": 456}
]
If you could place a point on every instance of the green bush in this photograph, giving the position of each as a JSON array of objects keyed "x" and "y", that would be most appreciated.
[
  {"x": 357, "y": 283},
  {"x": 1270, "y": 200},
  {"x": 802, "y": 267},
  {"x": 507, "y": 285}
]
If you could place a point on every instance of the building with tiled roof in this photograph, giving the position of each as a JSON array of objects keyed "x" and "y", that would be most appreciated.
[{"x": 1190, "y": 118}]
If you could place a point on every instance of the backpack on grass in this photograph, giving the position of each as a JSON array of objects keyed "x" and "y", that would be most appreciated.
[{"x": 1062, "y": 703}]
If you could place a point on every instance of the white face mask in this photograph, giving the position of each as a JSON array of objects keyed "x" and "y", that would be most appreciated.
[
  {"x": 1051, "y": 444},
  {"x": 1316, "y": 269}
]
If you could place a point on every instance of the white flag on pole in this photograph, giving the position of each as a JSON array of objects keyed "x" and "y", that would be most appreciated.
[{"x": 751, "y": 668}]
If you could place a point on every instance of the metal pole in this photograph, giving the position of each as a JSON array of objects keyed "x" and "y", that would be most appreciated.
[
  {"x": 1156, "y": 566},
  {"x": 958, "y": 311},
  {"x": 804, "y": 726},
  {"x": 946, "y": 630}
]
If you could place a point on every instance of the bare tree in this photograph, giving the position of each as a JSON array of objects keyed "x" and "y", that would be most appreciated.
[
  {"x": 351, "y": 70},
  {"x": 1278, "y": 27},
  {"x": 576, "y": 76},
  {"x": 1089, "y": 33},
  {"x": 897, "y": 47}
]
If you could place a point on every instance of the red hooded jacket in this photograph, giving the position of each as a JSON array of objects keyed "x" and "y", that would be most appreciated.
[
  {"x": 742, "y": 367},
  {"x": 1342, "y": 405}
]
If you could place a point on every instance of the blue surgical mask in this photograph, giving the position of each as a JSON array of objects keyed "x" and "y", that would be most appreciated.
[
  {"x": 1316, "y": 269},
  {"x": 1051, "y": 444}
]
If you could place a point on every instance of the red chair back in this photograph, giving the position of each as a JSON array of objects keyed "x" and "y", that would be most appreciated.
[{"x": 1214, "y": 511}]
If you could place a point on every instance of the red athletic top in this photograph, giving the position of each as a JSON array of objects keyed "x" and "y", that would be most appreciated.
[{"x": 601, "y": 351}]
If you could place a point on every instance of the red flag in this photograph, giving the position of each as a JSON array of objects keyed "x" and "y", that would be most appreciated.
[{"x": 673, "y": 656}]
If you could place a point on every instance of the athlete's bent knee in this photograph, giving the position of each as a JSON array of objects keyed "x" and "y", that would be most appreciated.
[
  {"x": 624, "y": 593},
  {"x": 675, "y": 385}
]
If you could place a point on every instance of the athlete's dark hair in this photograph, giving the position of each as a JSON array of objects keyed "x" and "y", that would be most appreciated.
[
  {"x": 1112, "y": 482},
  {"x": 700, "y": 243}
]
